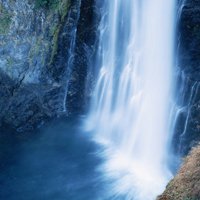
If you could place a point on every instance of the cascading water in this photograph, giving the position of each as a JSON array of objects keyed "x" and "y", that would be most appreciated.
[{"x": 131, "y": 101}]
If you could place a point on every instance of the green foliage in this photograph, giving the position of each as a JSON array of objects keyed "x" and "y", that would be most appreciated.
[
  {"x": 62, "y": 9},
  {"x": 52, "y": 4},
  {"x": 5, "y": 20}
]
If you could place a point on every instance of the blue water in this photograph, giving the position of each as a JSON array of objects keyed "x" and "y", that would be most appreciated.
[{"x": 58, "y": 162}]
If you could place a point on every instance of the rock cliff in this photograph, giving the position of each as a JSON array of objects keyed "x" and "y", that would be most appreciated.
[
  {"x": 187, "y": 130},
  {"x": 44, "y": 50}
]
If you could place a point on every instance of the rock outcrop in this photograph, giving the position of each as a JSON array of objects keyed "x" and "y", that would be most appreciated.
[{"x": 185, "y": 185}]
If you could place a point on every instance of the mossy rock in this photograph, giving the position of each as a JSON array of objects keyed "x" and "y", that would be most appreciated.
[
  {"x": 5, "y": 20},
  {"x": 62, "y": 9},
  {"x": 51, "y": 4},
  {"x": 46, "y": 3},
  {"x": 58, "y": 9}
]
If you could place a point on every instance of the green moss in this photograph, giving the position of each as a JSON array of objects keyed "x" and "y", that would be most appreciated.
[
  {"x": 38, "y": 50},
  {"x": 10, "y": 61},
  {"x": 62, "y": 9},
  {"x": 55, "y": 43},
  {"x": 5, "y": 20},
  {"x": 57, "y": 8},
  {"x": 50, "y": 4},
  {"x": 58, "y": 5}
]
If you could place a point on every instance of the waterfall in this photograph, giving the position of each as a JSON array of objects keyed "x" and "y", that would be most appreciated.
[{"x": 130, "y": 107}]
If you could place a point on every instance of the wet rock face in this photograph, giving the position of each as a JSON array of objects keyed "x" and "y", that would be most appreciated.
[
  {"x": 190, "y": 39},
  {"x": 24, "y": 44},
  {"x": 26, "y": 106},
  {"x": 84, "y": 53},
  {"x": 38, "y": 60},
  {"x": 187, "y": 132}
]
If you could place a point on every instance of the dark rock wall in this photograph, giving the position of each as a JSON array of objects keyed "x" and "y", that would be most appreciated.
[
  {"x": 187, "y": 130},
  {"x": 85, "y": 51}
]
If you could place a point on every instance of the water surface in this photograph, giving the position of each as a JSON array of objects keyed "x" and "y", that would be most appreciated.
[{"x": 58, "y": 162}]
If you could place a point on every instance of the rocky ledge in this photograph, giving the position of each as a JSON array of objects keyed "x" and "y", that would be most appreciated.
[{"x": 186, "y": 184}]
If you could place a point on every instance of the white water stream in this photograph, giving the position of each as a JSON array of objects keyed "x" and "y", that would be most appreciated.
[{"x": 130, "y": 108}]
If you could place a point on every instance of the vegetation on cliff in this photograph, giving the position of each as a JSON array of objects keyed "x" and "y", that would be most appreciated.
[
  {"x": 59, "y": 8},
  {"x": 46, "y": 3},
  {"x": 5, "y": 20},
  {"x": 186, "y": 184}
]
